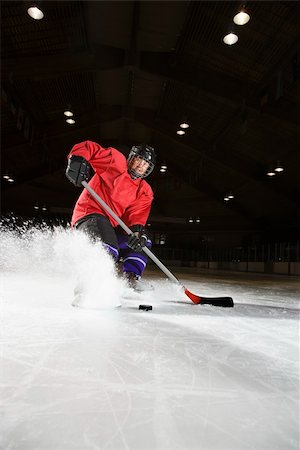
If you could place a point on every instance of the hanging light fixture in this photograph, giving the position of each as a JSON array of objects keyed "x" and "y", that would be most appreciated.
[
  {"x": 279, "y": 167},
  {"x": 68, "y": 113},
  {"x": 184, "y": 125},
  {"x": 35, "y": 13},
  {"x": 10, "y": 180},
  {"x": 230, "y": 196},
  {"x": 191, "y": 220},
  {"x": 271, "y": 172},
  {"x": 197, "y": 219},
  {"x": 70, "y": 121},
  {"x": 241, "y": 18},
  {"x": 162, "y": 170},
  {"x": 36, "y": 206},
  {"x": 180, "y": 132},
  {"x": 6, "y": 177},
  {"x": 230, "y": 39},
  {"x": 164, "y": 166},
  {"x": 226, "y": 198}
]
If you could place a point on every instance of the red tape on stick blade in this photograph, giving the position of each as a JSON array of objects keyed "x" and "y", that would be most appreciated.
[
  {"x": 224, "y": 302},
  {"x": 195, "y": 298}
]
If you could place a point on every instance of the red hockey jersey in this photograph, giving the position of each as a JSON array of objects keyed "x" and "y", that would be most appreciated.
[{"x": 129, "y": 199}]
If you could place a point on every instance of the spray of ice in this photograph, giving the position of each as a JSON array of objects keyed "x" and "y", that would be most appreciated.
[{"x": 63, "y": 255}]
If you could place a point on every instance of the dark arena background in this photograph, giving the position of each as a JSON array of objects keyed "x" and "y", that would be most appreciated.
[{"x": 213, "y": 86}]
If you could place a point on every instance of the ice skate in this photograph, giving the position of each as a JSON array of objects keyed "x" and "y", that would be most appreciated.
[{"x": 136, "y": 283}]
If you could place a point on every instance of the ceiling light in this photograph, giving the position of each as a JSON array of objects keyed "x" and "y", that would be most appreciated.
[
  {"x": 198, "y": 219},
  {"x": 241, "y": 18},
  {"x": 271, "y": 173},
  {"x": 279, "y": 167},
  {"x": 44, "y": 208},
  {"x": 36, "y": 206},
  {"x": 35, "y": 13},
  {"x": 162, "y": 170},
  {"x": 70, "y": 121},
  {"x": 11, "y": 180},
  {"x": 230, "y": 196},
  {"x": 180, "y": 132},
  {"x": 184, "y": 125},
  {"x": 6, "y": 177},
  {"x": 191, "y": 220},
  {"x": 68, "y": 113},
  {"x": 226, "y": 199},
  {"x": 164, "y": 166},
  {"x": 230, "y": 39}
]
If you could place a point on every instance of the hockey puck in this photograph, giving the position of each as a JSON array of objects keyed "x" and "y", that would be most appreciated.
[{"x": 145, "y": 307}]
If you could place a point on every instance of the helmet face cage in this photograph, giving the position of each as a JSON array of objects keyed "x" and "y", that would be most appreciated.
[{"x": 144, "y": 152}]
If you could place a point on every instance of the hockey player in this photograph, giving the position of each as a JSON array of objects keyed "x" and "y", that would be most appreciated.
[{"x": 121, "y": 184}]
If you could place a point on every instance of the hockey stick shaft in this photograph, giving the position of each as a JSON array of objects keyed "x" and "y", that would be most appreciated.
[{"x": 220, "y": 301}]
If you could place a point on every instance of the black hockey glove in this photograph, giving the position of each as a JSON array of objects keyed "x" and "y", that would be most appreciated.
[
  {"x": 78, "y": 170},
  {"x": 138, "y": 239}
]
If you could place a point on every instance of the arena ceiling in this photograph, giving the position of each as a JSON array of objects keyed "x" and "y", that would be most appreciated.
[{"x": 132, "y": 72}]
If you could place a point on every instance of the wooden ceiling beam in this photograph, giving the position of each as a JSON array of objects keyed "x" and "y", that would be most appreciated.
[
  {"x": 226, "y": 158},
  {"x": 49, "y": 66},
  {"x": 58, "y": 128},
  {"x": 234, "y": 91},
  {"x": 219, "y": 86},
  {"x": 249, "y": 169},
  {"x": 208, "y": 188}
]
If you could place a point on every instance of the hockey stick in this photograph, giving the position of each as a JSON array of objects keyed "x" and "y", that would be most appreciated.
[{"x": 215, "y": 301}]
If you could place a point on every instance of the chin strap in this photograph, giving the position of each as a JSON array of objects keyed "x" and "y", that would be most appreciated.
[{"x": 134, "y": 175}]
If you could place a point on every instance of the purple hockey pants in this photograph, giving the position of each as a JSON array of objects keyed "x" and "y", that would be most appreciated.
[
  {"x": 114, "y": 241},
  {"x": 133, "y": 262}
]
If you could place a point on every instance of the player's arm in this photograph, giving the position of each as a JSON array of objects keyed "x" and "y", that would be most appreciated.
[{"x": 84, "y": 157}]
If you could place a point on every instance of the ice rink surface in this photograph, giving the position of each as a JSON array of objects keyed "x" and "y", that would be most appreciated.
[{"x": 181, "y": 376}]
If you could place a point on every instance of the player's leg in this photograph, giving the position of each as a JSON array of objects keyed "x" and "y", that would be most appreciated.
[
  {"x": 134, "y": 263},
  {"x": 99, "y": 228}
]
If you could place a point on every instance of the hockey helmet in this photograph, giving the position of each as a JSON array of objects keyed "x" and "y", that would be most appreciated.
[{"x": 144, "y": 152}]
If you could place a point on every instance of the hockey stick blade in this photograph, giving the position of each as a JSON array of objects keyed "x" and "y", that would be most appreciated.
[{"x": 225, "y": 302}]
